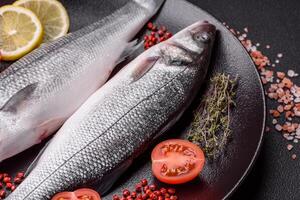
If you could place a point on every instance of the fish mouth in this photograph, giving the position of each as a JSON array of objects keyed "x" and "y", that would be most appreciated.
[{"x": 203, "y": 26}]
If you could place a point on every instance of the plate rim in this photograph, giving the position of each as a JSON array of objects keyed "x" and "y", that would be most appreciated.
[{"x": 263, "y": 125}]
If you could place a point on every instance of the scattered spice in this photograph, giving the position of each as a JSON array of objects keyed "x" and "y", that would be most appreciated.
[
  {"x": 210, "y": 127},
  {"x": 7, "y": 184},
  {"x": 290, "y": 147},
  {"x": 279, "y": 87},
  {"x": 149, "y": 192},
  {"x": 156, "y": 35}
]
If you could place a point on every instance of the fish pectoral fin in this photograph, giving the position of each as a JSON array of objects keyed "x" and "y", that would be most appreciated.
[
  {"x": 130, "y": 49},
  {"x": 143, "y": 67},
  {"x": 36, "y": 159},
  {"x": 17, "y": 101}
]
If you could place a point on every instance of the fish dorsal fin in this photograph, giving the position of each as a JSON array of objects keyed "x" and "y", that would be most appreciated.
[
  {"x": 36, "y": 159},
  {"x": 143, "y": 67},
  {"x": 19, "y": 98},
  {"x": 130, "y": 49}
]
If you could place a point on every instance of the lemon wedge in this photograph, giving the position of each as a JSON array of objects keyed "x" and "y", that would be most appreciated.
[
  {"x": 20, "y": 32},
  {"x": 52, "y": 14}
]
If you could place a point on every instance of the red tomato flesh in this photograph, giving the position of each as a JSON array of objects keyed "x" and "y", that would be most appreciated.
[
  {"x": 177, "y": 161},
  {"x": 81, "y": 194}
]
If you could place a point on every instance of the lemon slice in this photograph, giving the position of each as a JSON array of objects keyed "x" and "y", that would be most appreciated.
[
  {"x": 52, "y": 14},
  {"x": 20, "y": 32}
]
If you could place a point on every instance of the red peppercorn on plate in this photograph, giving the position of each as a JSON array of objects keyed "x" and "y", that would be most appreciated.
[{"x": 218, "y": 178}]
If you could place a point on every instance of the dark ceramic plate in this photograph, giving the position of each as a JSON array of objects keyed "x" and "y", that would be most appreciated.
[{"x": 221, "y": 178}]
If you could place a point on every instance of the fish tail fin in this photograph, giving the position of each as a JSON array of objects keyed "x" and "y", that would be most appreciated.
[{"x": 151, "y": 5}]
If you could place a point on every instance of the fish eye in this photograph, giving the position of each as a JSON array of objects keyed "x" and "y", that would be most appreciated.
[{"x": 202, "y": 37}]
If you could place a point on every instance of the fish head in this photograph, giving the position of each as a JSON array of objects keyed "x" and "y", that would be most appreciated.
[
  {"x": 190, "y": 47},
  {"x": 197, "y": 39}
]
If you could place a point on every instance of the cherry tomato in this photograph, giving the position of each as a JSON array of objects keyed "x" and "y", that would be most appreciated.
[
  {"x": 177, "y": 161},
  {"x": 81, "y": 194}
]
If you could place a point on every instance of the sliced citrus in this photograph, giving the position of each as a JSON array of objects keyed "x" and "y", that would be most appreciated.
[
  {"x": 20, "y": 32},
  {"x": 52, "y": 14}
]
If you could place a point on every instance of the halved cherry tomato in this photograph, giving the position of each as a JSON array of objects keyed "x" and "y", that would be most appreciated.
[
  {"x": 177, "y": 161},
  {"x": 81, "y": 194}
]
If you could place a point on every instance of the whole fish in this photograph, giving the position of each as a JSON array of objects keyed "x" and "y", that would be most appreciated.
[
  {"x": 117, "y": 123},
  {"x": 40, "y": 91}
]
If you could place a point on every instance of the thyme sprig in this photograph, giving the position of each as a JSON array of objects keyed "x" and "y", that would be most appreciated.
[{"x": 210, "y": 127}]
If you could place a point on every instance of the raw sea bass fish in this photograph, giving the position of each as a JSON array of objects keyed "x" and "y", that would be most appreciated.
[
  {"x": 116, "y": 124},
  {"x": 39, "y": 92}
]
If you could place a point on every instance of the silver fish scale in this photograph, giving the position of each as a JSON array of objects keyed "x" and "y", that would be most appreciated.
[
  {"x": 54, "y": 66},
  {"x": 114, "y": 131}
]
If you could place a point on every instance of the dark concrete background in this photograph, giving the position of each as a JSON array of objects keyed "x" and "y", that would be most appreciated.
[{"x": 275, "y": 175}]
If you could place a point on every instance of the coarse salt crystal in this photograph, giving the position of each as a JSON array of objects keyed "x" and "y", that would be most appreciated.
[
  {"x": 280, "y": 108},
  {"x": 297, "y": 100},
  {"x": 295, "y": 140},
  {"x": 290, "y": 138},
  {"x": 279, "y": 55},
  {"x": 253, "y": 48},
  {"x": 278, "y": 127},
  {"x": 291, "y": 73},
  {"x": 277, "y": 61},
  {"x": 241, "y": 38},
  {"x": 274, "y": 121},
  {"x": 294, "y": 156},
  {"x": 297, "y": 136},
  {"x": 268, "y": 46},
  {"x": 290, "y": 147}
]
